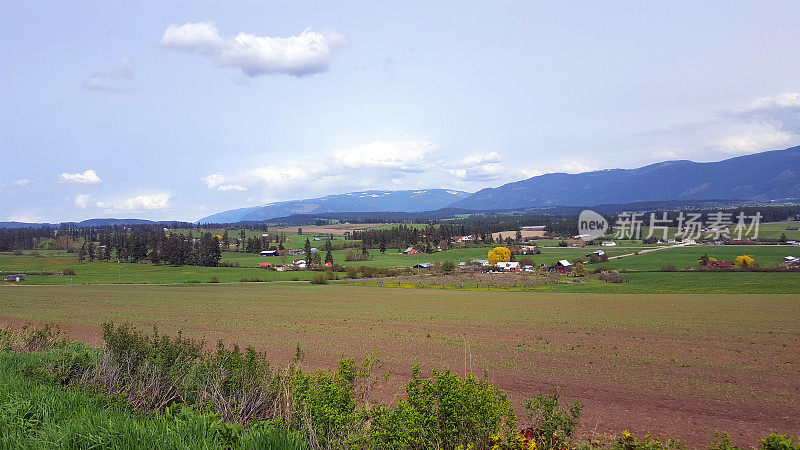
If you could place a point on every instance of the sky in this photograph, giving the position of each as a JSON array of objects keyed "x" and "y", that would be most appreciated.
[{"x": 177, "y": 110}]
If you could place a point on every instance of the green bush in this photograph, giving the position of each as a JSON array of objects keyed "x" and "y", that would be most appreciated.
[
  {"x": 444, "y": 411},
  {"x": 722, "y": 441},
  {"x": 326, "y": 405},
  {"x": 551, "y": 425},
  {"x": 320, "y": 278},
  {"x": 448, "y": 266},
  {"x": 780, "y": 442}
]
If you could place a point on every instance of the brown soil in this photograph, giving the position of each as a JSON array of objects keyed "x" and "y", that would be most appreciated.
[{"x": 674, "y": 365}]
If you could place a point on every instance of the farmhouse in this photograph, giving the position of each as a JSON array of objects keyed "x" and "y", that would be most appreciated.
[
  {"x": 464, "y": 238},
  {"x": 266, "y": 253},
  {"x": 423, "y": 266},
  {"x": 18, "y": 277},
  {"x": 508, "y": 266},
  {"x": 563, "y": 267},
  {"x": 299, "y": 263},
  {"x": 482, "y": 262},
  {"x": 608, "y": 244},
  {"x": 264, "y": 265},
  {"x": 596, "y": 252},
  {"x": 410, "y": 251}
]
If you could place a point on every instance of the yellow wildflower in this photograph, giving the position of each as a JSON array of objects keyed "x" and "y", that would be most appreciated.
[
  {"x": 626, "y": 434},
  {"x": 532, "y": 445}
]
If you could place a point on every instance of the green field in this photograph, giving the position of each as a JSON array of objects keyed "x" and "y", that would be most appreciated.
[
  {"x": 687, "y": 257},
  {"x": 648, "y": 362}
]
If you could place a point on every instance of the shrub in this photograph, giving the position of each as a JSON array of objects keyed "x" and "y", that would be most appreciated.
[
  {"x": 252, "y": 280},
  {"x": 629, "y": 442},
  {"x": 214, "y": 279},
  {"x": 448, "y": 266},
  {"x": 669, "y": 268},
  {"x": 68, "y": 271},
  {"x": 562, "y": 244},
  {"x": 722, "y": 441},
  {"x": 351, "y": 272},
  {"x": 320, "y": 278},
  {"x": 611, "y": 277},
  {"x": 353, "y": 256},
  {"x": 326, "y": 405},
  {"x": 780, "y": 442},
  {"x": 551, "y": 425},
  {"x": 444, "y": 411}
]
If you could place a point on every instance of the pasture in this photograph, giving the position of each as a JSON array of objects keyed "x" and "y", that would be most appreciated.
[{"x": 676, "y": 365}]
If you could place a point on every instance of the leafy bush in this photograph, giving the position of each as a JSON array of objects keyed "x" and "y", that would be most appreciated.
[
  {"x": 722, "y": 441},
  {"x": 551, "y": 425},
  {"x": 320, "y": 278},
  {"x": 326, "y": 405},
  {"x": 353, "y": 256},
  {"x": 68, "y": 271},
  {"x": 444, "y": 411},
  {"x": 448, "y": 266},
  {"x": 780, "y": 442},
  {"x": 214, "y": 279},
  {"x": 611, "y": 276},
  {"x": 351, "y": 272}
]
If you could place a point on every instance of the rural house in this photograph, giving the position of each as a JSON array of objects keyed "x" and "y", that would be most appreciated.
[
  {"x": 423, "y": 266},
  {"x": 268, "y": 253},
  {"x": 508, "y": 266},
  {"x": 608, "y": 244},
  {"x": 410, "y": 251}
]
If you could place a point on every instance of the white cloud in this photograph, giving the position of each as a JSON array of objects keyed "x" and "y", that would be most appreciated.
[
  {"x": 409, "y": 156},
  {"x": 87, "y": 177},
  {"x": 768, "y": 123},
  {"x": 477, "y": 159},
  {"x": 753, "y": 142},
  {"x": 217, "y": 181},
  {"x": 83, "y": 201},
  {"x": 307, "y": 53},
  {"x": 116, "y": 79},
  {"x": 785, "y": 100},
  {"x": 22, "y": 182},
  {"x": 153, "y": 202}
]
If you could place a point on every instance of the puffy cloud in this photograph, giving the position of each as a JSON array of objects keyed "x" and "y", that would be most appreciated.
[
  {"x": 87, "y": 177},
  {"x": 477, "y": 159},
  {"x": 116, "y": 79},
  {"x": 768, "y": 123},
  {"x": 153, "y": 202},
  {"x": 405, "y": 156},
  {"x": 307, "y": 53},
  {"x": 83, "y": 201},
  {"x": 22, "y": 182},
  {"x": 217, "y": 181},
  {"x": 753, "y": 142}
]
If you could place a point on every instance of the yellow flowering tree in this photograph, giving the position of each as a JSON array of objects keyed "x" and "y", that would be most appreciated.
[
  {"x": 499, "y": 254},
  {"x": 744, "y": 261}
]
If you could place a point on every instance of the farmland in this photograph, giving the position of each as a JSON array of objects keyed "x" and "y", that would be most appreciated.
[{"x": 662, "y": 363}]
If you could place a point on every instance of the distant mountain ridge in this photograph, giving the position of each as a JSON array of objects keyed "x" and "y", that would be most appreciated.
[
  {"x": 364, "y": 201},
  {"x": 773, "y": 175}
]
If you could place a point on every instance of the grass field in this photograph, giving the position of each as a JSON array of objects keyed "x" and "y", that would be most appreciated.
[{"x": 677, "y": 365}]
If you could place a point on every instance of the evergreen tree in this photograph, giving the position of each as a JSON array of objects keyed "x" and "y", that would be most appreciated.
[
  {"x": 328, "y": 254},
  {"x": 82, "y": 252},
  {"x": 383, "y": 243},
  {"x": 90, "y": 251},
  {"x": 307, "y": 248}
]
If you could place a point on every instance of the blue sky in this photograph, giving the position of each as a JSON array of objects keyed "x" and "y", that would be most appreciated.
[{"x": 176, "y": 110}]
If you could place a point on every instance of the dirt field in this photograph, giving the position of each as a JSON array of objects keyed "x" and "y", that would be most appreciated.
[
  {"x": 338, "y": 229},
  {"x": 526, "y": 234},
  {"x": 677, "y": 365}
]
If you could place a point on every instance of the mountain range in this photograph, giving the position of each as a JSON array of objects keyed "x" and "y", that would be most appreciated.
[
  {"x": 365, "y": 201},
  {"x": 767, "y": 176},
  {"x": 761, "y": 177}
]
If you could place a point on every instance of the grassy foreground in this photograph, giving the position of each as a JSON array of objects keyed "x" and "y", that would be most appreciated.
[{"x": 37, "y": 413}]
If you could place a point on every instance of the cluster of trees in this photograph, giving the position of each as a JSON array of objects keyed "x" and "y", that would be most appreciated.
[{"x": 154, "y": 245}]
